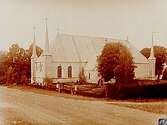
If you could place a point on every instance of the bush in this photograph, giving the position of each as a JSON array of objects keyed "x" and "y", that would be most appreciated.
[
  {"x": 47, "y": 81},
  {"x": 82, "y": 78}
]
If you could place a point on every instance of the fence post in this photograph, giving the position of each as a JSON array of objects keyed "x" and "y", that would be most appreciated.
[
  {"x": 72, "y": 90},
  {"x": 106, "y": 90}
]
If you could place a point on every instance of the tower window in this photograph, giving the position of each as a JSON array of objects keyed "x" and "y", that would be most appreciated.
[
  {"x": 89, "y": 75},
  {"x": 40, "y": 67},
  {"x": 36, "y": 65},
  {"x": 69, "y": 71},
  {"x": 59, "y": 71}
]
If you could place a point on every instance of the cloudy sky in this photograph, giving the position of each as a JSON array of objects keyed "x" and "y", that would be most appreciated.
[{"x": 136, "y": 19}]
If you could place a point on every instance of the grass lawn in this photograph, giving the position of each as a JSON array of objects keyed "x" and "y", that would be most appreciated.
[{"x": 158, "y": 107}]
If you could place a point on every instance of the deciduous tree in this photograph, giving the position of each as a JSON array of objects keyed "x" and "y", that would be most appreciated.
[
  {"x": 18, "y": 64},
  {"x": 116, "y": 61}
]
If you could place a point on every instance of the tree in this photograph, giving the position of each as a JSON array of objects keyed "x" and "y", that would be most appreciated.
[
  {"x": 17, "y": 63},
  {"x": 38, "y": 49},
  {"x": 2, "y": 66},
  {"x": 165, "y": 75},
  {"x": 116, "y": 61},
  {"x": 146, "y": 52},
  {"x": 160, "y": 55}
]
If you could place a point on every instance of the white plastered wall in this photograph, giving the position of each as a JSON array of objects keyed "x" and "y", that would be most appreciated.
[{"x": 141, "y": 71}]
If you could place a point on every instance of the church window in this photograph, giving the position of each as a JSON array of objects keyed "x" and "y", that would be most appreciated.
[
  {"x": 59, "y": 71},
  {"x": 36, "y": 65},
  {"x": 69, "y": 71},
  {"x": 89, "y": 75},
  {"x": 40, "y": 67}
]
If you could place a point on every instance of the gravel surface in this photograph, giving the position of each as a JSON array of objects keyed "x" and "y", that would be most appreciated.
[{"x": 35, "y": 108}]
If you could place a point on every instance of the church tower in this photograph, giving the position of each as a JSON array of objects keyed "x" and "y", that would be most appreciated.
[
  {"x": 33, "y": 60},
  {"x": 152, "y": 61},
  {"x": 47, "y": 57}
]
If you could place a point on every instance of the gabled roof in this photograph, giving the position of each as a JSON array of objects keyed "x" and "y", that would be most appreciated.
[{"x": 72, "y": 48}]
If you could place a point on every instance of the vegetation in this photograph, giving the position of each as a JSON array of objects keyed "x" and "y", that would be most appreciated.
[
  {"x": 47, "y": 81},
  {"x": 116, "y": 61},
  {"x": 160, "y": 55},
  {"x": 165, "y": 75},
  {"x": 82, "y": 78},
  {"x": 17, "y": 65},
  {"x": 2, "y": 66}
]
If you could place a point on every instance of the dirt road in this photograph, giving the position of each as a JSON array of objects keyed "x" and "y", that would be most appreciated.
[{"x": 29, "y": 108}]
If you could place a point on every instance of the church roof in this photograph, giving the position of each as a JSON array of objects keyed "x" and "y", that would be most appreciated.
[{"x": 73, "y": 48}]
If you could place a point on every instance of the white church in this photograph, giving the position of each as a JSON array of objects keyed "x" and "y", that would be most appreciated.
[{"x": 63, "y": 59}]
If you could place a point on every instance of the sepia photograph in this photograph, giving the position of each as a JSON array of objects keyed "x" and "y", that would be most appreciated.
[{"x": 83, "y": 62}]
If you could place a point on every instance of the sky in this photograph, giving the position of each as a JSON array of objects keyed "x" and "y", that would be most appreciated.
[{"x": 116, "y": 19}]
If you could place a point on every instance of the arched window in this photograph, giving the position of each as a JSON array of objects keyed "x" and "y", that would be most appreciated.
[
  {"x": 69, "y": 71},
  {"x": 89, "y": 75},
  {"x": 59, "y": 72},
  {"x": 40, "y": 67},
  {"x": 36, "y": 65}
]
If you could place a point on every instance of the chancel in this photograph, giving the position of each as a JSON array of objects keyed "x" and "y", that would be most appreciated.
[{"x": 63, "y": 58}]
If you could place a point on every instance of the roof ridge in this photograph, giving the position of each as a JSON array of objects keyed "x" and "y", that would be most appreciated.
[{"x": 99, "y": 37}]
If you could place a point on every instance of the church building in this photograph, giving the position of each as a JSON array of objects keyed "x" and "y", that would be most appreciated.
[{"x": 64, "y": 58}]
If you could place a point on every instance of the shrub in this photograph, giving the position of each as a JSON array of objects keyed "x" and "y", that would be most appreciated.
[
  {"x": 82, "y": 78},
  {"x": 47, "y": 81}
]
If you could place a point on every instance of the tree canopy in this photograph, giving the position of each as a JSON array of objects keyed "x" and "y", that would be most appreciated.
[
  {"x": 17, "y": 64},
  {"x": 116, "y": 62},
  {"x": 160, "y": 53}
]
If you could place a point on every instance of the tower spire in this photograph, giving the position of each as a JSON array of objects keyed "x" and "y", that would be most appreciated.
[
  {"x": 46, "y": 49},
  {"x": 34, "y": 53},
  {"x": 33, "y": 59},
  {"x": 152, "y": 47},
  {"x": 58, "y": 30},
  {"x": 152, "y": 60},
  {"x": 127, "y": 38}
]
